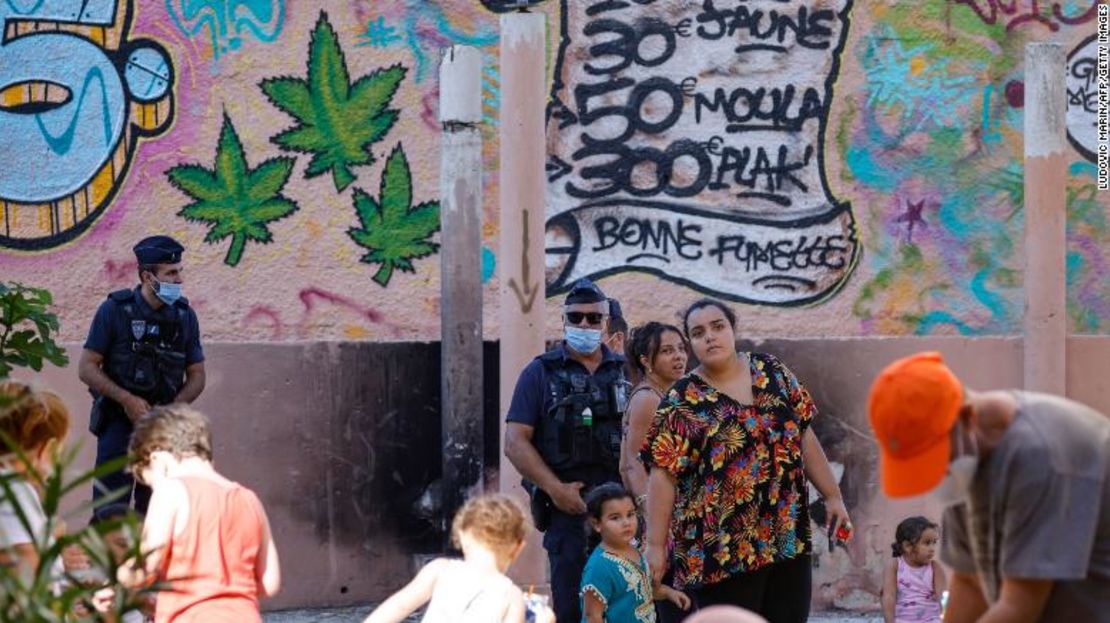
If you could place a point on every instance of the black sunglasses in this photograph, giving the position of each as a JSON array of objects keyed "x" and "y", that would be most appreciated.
[{"x": 593, "y": 318}]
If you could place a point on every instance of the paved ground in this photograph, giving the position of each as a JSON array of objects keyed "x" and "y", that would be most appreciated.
[
  {"x": 337, "y": 615},
  {"x": 347, "y": 615}
]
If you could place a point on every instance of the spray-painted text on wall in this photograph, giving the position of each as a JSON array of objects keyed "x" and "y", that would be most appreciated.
[{"x": 686, "y": 140}]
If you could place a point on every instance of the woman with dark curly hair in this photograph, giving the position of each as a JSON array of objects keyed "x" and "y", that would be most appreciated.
[
  {"x": 729, "y": 452},
  {"x": 658, "y": 355}
]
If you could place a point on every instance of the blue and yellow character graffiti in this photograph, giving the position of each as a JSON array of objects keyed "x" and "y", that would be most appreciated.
[{"x": 76, "y": 94}]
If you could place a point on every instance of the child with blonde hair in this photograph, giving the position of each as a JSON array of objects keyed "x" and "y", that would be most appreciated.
[
  {"x": 206, "y": 536},
  {"x": 35, "y": 423},
  {"x": 490, "y": 531}
]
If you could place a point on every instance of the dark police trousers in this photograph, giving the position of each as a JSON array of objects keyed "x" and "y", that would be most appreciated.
[
  {"x": 565, "y": 542},
  {"x": 110, "y": 444}
]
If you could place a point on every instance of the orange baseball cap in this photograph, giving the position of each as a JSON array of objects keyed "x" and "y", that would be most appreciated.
[{"x": 913, "y": 406}]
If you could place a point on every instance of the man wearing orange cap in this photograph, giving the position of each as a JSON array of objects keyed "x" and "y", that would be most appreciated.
[{"x": 1024, "y": 481}]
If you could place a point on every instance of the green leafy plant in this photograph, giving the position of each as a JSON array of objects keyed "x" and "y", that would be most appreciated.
[
  {"x": 393, "y": 230},
  {"x": 236, "y": 200},
  {"x": 26, "y": 329},
  {"x": 37, "y": 594},
  {"x": 337, "y": 121}
]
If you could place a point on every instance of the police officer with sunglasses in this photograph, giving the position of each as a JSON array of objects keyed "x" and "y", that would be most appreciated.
[{"x": 563, "y": 434}]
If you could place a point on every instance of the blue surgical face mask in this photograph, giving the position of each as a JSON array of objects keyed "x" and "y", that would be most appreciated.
[
  {"x": 167, "y": 292},
  {"x": 583, "y": 341}
]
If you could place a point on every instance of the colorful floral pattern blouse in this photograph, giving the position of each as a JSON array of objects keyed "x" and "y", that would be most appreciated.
[{"x": 741, "y": 495}]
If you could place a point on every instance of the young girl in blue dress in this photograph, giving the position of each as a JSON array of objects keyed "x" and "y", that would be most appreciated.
[{"x": 616, "y": 583}]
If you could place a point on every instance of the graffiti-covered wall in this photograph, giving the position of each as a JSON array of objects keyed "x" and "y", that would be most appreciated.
[
  {"x": 837, "y": 167},
  {"x": 687, "y": 141},
  {"x": 288, "y": 146}
]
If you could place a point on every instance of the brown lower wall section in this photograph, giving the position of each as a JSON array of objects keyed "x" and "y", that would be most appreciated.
[{"x": 340, "y": 439}]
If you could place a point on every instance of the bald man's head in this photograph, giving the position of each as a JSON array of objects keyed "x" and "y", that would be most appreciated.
[{"x": 725, "y": 614}]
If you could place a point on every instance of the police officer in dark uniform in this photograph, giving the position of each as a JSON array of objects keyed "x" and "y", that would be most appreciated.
[
  {"x": 563, "y": 435},
  {"x": 616, "y": 336},
  {"x": 143, "y": 349}
]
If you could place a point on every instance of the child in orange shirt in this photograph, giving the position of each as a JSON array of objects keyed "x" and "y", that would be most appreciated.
[{"x": 212, "y": 580}]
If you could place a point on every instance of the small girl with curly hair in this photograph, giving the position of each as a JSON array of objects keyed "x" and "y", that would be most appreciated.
[
  {"x": 913, "y": 581},
  {"x": 490, "y": 531}
]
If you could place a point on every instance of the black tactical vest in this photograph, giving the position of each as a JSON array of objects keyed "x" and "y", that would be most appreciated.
[
  {"x": 154, "y": 366},
  {"x": 579, "y": 437}
]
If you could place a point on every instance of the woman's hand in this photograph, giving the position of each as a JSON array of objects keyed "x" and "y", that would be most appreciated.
[
  {"x": 657, "y": 562},
  {"x": 660, "y": 503},
  {"x": 819, "y": 472},
  {"x": 836, "y": 515}
]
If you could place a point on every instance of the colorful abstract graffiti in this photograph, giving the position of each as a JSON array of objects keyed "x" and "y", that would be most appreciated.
[
  {"x": 906, "y": 85},
  {"x": 1088, "y": 258},
  {"x": 426, "y": 26},
  {"x": 1033, "y": 13},
  {"x": 76, "y": 95},
  {"x": 932, "y": 148},
  {"x": 714, "y": 179},
  {"x": 228, "y": 21},
  {"x": 853, "y": 170},
  {"x": 937, "y": 186}
]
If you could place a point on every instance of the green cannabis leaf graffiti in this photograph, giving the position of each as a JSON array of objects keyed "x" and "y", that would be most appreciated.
[
  {"x": 337, "y": 121},
  {"x": 393, "y": 230},
  {"x": 236, "y": 200}
]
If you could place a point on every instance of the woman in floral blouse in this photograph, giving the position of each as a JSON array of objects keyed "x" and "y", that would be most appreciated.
[{"x": 729, "y": 452}]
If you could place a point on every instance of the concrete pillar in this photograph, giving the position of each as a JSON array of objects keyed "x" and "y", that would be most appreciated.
[
  {"x": 521, "y": 261},
  {"x": 1045, "y": 218},
  {"x": 460, "y": 178}
]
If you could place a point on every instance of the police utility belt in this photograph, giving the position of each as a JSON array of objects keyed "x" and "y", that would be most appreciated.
[
  {"x": 579, "y": 437},
  {"x": 154, "y": 368}
]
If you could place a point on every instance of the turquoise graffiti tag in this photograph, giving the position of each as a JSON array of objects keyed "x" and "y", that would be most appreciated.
[{"x": 228, "y": 20}]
